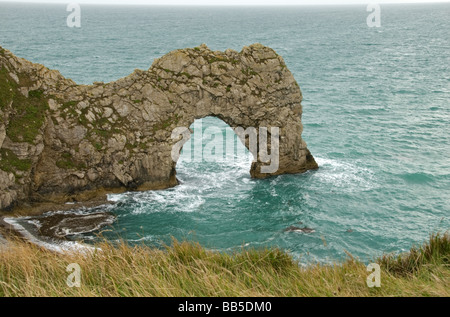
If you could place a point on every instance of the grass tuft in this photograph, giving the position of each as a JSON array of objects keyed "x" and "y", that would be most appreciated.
[
  {"x": 9, "y": 162},
  {"x": 435, "y": 252}
]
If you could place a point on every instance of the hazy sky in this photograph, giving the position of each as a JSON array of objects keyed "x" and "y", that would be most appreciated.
[{"x": 230, "y": 2}]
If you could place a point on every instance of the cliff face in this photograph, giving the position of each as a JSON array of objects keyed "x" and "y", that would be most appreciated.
[{"x": 59, "y": 139}]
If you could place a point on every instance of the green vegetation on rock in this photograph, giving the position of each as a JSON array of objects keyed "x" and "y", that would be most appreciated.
[
  {"x": 7, "y": 88},
  {"x": 166, "y": 123},
  {"x": 69, "y": 104},
  {"x": 67, "y": 162},
  {"x": 28, "y": 115},
  {"x": 9, "y": 162},
  {"x": 249, "y": 71},
  {"x": 128, "y": 119},
  {"x": 25, "y": 124}
]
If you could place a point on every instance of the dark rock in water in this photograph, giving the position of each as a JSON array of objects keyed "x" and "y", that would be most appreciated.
[
  {"x": 297, "y": 229},
  {"x": 60, "y": 225},
  {"x": 308, "y": 230},
  {"x": 349, "y": 230}
]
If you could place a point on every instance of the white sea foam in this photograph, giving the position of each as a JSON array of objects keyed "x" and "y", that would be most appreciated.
[
  {"x": 35, "y": 223},
  {"x": 345, "y": 176},
  {"x": 169, "y": 200},
  {"x": 115, "y": 197}
]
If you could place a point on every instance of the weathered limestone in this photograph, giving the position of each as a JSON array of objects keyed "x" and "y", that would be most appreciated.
[
  {"x": 59, "y": 139},
  {"x": 60, "y": 225}
]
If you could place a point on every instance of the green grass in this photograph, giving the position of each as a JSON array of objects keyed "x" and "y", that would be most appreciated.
[
  {"x": 189, "y": 76},
  {"x": 69, "y": 104},
  {"x": 67, "y": 162},
  {"x": 27, "y": 116},
  {"x": 437, "y": 250},
  {"x": 9, "y": 162},
  {"x": 98, "y": 146},
  {"x": 24, "y": 126},
  {"x": 166, "y": 123},
  {"x": 8, "y": 88},
  {"x": 36, "y": 94},
  {"x": 105, "y": 129},
  {"x": 225, "y": 59},
  {"x": 187, "y": 269},
  {"x": 215, "y": 59}
]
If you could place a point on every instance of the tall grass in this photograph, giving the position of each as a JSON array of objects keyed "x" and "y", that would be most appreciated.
[
  {"x": 187, "y": 269},
  {"x": 436, "y": 252}
]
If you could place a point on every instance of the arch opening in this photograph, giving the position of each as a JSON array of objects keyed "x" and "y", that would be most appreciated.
[{"x": 213, "y": 147}]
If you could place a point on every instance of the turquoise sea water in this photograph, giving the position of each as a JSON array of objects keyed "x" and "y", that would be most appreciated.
[{"x": 376, "y": 118}]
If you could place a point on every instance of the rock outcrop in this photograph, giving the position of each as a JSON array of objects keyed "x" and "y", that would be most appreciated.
[
  {"x": 61, "y": 225},
  {"x": 59, "y": 140}
]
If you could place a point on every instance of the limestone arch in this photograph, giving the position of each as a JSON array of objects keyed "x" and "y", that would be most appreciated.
[
  {"x": 252, "y": 88},
  {"x": 96, "y": 138}
]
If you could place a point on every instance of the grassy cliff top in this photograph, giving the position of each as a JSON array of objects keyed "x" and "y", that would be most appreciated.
[{"x": 187, "y": 269}]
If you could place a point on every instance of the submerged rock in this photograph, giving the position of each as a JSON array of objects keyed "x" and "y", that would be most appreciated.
[
  {"x": 298, "y": 229},
  {"x": 60, "y": 225}
]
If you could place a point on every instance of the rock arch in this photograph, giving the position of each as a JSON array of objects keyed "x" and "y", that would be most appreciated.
[
  {"x": 60, "y": 140},
  {"x": 216, "y": 136}
]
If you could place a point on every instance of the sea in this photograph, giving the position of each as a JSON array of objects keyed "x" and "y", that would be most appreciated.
[{"x": 376, "y": 116}]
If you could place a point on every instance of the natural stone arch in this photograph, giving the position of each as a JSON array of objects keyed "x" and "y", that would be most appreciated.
[
  {"x": 201, "y": 148},
  {"x": 245, "y": 122},
  {"x": 118, "y": 135}
]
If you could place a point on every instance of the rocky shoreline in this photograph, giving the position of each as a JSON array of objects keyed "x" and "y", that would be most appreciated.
[
  {"x": 54, "y": 223},
  {"x": 53, "y": 230},
  {"x": 61, "y": 225}
]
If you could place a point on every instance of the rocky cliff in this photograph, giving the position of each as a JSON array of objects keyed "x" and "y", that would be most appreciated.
[{"x": 59, "y": 140}]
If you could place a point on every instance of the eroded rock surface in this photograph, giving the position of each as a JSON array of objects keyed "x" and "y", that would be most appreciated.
[
  {"x": 59, "y": 139},
  {"x": 60, "y": 225}
]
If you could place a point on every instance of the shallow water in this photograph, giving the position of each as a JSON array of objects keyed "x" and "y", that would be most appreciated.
[{"x": 376, "y": 117}]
